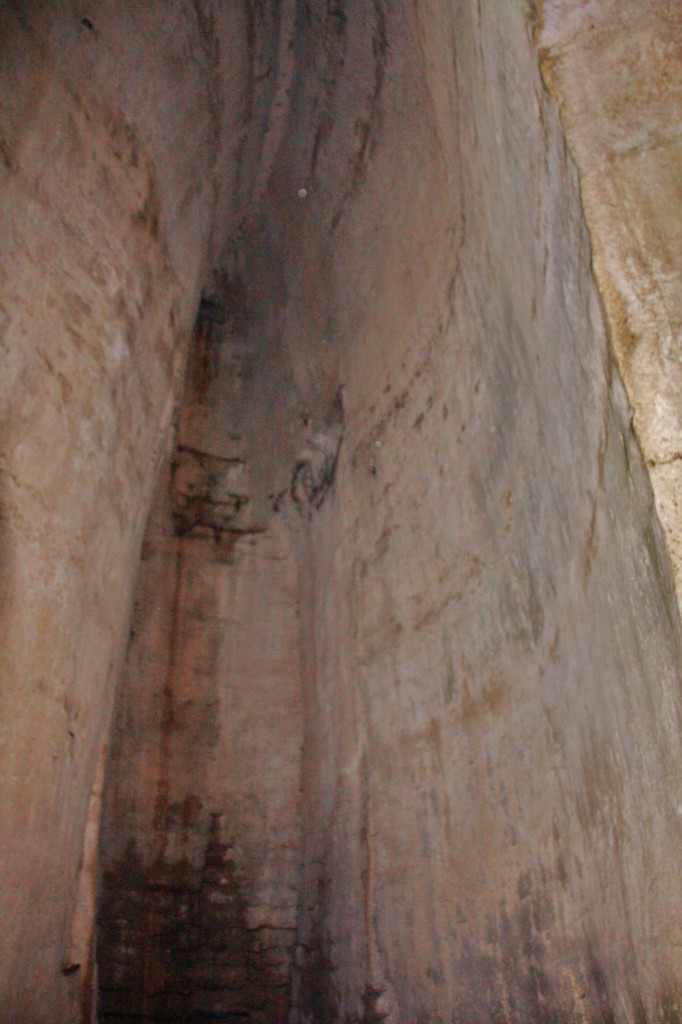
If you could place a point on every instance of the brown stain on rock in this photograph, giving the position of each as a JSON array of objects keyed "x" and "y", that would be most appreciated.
[
  {"x": 492, "y": 698},
  {"x": 182, "y": 949}
]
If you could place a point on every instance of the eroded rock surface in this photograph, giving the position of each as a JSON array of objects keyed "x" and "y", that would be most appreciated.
[
  {"x": 317, "y": 465},
  {"x": 616, "y": 69}
]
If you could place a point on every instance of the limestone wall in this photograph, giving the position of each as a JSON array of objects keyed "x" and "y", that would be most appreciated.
[
  {"x": 615, "y": 70},
  {"x": 121, "y": 155},
  {"x": 493, "y": 690},
  {"x": 201, "y": 832},
  {"x": 396, "y": 656}
]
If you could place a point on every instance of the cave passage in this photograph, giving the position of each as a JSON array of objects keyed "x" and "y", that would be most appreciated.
[{"x": 327, "y": 541}]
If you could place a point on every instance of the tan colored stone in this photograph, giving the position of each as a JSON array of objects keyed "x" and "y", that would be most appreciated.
[{"x": 400, "y": 736}]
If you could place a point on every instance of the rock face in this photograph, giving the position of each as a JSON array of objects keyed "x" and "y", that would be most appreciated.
[
  {"x": 329, "y": 553},
  {"x": 124, "y": 137},
  {"x": 202, "y": 824},
  {"x": 627, "y": 57}
]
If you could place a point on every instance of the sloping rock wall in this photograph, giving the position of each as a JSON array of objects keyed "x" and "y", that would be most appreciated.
[
  {"x": 492, "y": 790},
  {"x": 398, "y": 730},
  {"x": 128, "y": 138}
]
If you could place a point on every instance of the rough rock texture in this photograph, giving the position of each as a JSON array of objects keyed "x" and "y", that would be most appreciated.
[
  {"x": 616, "y": 69},
  {"x": 122, "y": 153},
  {"x": 397, "y": 733},
  {"x": 201, "y": 832},
  {"x": 494, "y": 708}
]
